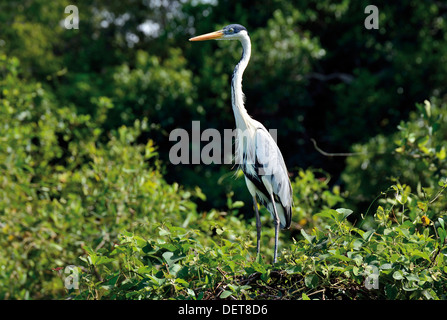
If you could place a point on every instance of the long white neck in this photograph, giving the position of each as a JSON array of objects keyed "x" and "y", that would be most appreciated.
[
  {"x": 237, "y": 96},
  {"x": 245, "y": 125}
]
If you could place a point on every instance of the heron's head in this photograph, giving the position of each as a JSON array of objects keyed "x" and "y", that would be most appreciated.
[{"x": 230, "y": 32}]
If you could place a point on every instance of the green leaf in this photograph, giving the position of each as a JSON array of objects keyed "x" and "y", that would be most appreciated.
[
  {"x": 328, "y": 213},
  {"x": 102, "y": 260},
  {"x": 412, "y": 277},
  {"x": 430, "y": 294},
  {"x": 421, "y": 254},
  {"x": 144, "y": 270},
  {"x": 304, "y": 296},
  {"x": 237, "y": 204},
  {"x": 442, "y": 234},
  {"x": 340, "y": 257},
  {"x": 109, "y": 284},
  {"x": 309, "y": 238},
  {"x": 368, "y": 234},
  {"x": 164, "y": 232},
  {"x": 174, "y": 269},
  {"x": 191, "y": 292},
  {"x": 398, "y": 275},
  {"x": 311, "y": 281},
  {"x": 441, "y": 222},
  {"x": 357, "y": 244},
  {"x": 410, "y": 286},
  {"x": 200, "y": 194},
  {"x": 157, "y": 281},
  {"x": 441, "y": 154},
  {"x": 386, "y": 266},
  {"x": 294, "y": 269},
  {"x": 171, "y": 258},
  {"x": 343, "y": 213},
  {"x": 88, "y": 250},
  {"x": 225, "y": 294}
]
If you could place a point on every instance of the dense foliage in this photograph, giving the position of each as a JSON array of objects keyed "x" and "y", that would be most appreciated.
[{"x": 86, "y": 182}]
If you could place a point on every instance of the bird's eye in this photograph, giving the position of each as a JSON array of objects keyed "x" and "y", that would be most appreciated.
[{"x": 231, "y": 30}]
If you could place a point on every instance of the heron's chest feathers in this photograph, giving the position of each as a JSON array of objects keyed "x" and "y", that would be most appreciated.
[{"x": 246, "y": 148}]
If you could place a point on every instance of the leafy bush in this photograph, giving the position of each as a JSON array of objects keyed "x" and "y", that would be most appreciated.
[
  {"x": 415, "y": 155},
  {"x": 394, "y": 261},
  {"x": 61, "y": 188}
]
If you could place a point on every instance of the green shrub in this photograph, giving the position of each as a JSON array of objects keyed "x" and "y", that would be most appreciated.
[
  {"x": 396, "y": 260},
  {"x": 415, "y": 155},
  {"x": 61, "y": 188}
]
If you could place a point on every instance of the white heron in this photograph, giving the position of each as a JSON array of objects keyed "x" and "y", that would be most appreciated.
[{"x": 257, "y": 154}]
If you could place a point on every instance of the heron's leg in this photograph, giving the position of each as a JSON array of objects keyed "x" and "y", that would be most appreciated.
[
  {"x": 276, "y": 223},
  {"x": 258, "y": 227}
]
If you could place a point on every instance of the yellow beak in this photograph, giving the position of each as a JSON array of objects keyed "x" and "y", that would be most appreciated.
[{"x": 208, "y": 36}]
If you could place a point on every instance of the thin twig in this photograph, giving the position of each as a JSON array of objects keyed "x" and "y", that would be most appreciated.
[
  {"x": 222, "y": 272},
  {"x": 318, "y": 291},
  {"x": 341, "y": 154},
  {"x": 438, "y": 194}
]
